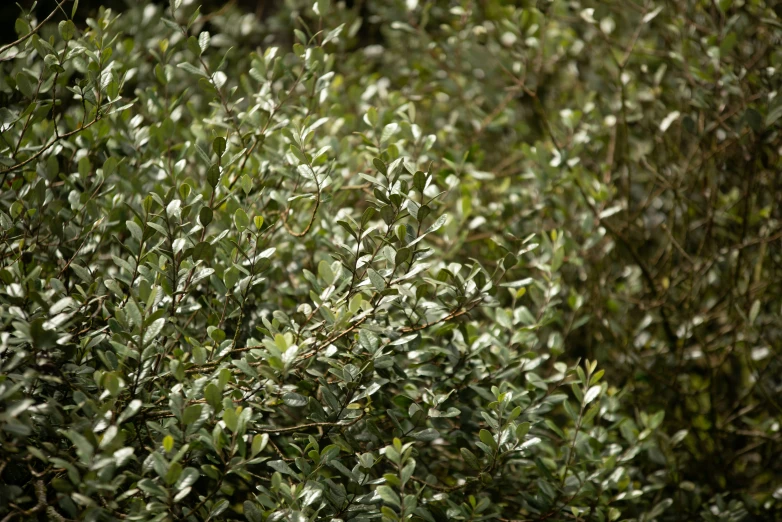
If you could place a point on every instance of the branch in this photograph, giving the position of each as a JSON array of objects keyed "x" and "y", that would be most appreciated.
[
  {"x": 302, "y": 427},
  {"x": 48, "y": 146},
  {"x": 35, "y": 30}
]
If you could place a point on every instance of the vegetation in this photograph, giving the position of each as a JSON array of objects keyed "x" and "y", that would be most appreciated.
[{"x": 395, "y": 260}]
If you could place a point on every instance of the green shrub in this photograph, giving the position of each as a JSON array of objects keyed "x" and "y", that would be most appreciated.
[{"x": 347, "y": 263}]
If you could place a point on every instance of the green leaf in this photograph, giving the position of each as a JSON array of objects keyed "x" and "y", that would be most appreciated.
[
  {"x": 247, "y": 184},
  {"x": 298, "y": 154},
  {"x": 205, "y": 216},
  {"x": 67, "y": 30},
  {"x": 402, "y": 255},
  {"x": 241, "y": 220},
  {"x": 377, "y": 280},
  {"x": 251, "y": 512},
  {"x": 437, "y": 224},
  {"x": 154, "y": 329},
  {"x": 470, "y": 458},
  {"x": 213, "y": 175},
  {"x": 231, "y": 419},
  {"x": 281, "y": 466},
  {"x": 218, "y": 508},
  {"x": 592, "y": 393},
  {"x": 389, "y": 496},
  {"x": 132, "y": 408},
  {"x": 333, "y": 34},
  {"x": 203, "y": 251},
  {"x": 219, "y": 145},
  {"x": 294, "y": 400},
  {"x": 203, "y": 40},
  {"x": 213, "y": 396},
  {"x": 371, "y": 116},
  {"x": 193, "y": 47},
  {"x": 487, "y": 439},
  {"x": 24, "y": 84},
  {"x": 380, "y": 165},
  {"x": 325, "y": 272},
  {"x": 191, "y": 414},
  {"x": 191, "y": 68},
  {"x": 135, "y": 230},
  {"x": 259, "y": 443},
  {"x": 187, "y": 478},
  {"x": 21, "y": 27},
  {"x": 522, "y": 429}
]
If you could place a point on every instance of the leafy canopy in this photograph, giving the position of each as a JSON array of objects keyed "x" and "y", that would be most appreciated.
[{"x": 352, "y": 263}]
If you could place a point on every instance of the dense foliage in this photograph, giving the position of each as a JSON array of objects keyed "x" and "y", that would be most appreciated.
[{"x": 332, "y": 262}]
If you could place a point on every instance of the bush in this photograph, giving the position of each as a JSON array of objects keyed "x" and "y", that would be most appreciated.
[{"x": 359, "y": 262}]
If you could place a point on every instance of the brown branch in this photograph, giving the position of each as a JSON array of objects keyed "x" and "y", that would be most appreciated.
[
  {"x": 302, "y": 427},
  {"x": 35, "y": 30},
  {"x": 49, "y": 145}
]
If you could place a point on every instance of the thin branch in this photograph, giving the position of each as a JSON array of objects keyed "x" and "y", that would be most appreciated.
[{"x": 35, "y": 30}]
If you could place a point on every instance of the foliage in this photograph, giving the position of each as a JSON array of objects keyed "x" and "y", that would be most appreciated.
[{"x": 348, "y": 263}]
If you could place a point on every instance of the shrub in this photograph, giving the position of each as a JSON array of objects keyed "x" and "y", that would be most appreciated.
[{"x": 347, "y": 263}]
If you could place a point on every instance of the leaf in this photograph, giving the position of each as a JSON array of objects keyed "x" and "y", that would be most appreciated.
[
  {"x": 592, "y": 393},
  {"x": 388, "y": 131},
  {"x": 259, "y": 443},
  {"x": 132, "y": 408},
  {"x": 21, "y": 27},
  {"x": 754, "y": 311},
  {"x": 470, "y": 458},
  {"x": 371, "y": 117},
  {"x": 218, "y": 145},
  {"x": 437, "y": 224},
  {"x": 173, "y": 209},
  {"x": 281, "y": 466},
  {"x": 24, "y": 85},
  {"x": 67, "y": 30},
  {"x": 300, "y": 156},
  {"x": 203, "y": 40},
  {"x": 522, "y": 429},
  {"x": 402, "y": 255},
  {"x": 203, "y": 251},
  {"x": 187, "y": 478},
  {"x": 192, "y": 69},
  {"x": 218, "y": 507},
  {"x": 427, "y": 435},
  {"x": 389, "y": 496},
  {"x": 154, "y": 329},
  {"x": 193, "y": 47},
  {"x": 191, "y": 414},
  {"x": 333, "y": 34},
  {"x": 213, "y": 175},
  {"x": 294, "y": 400},
  {"x": 487, "y": 439},
  {"x": 241, "y": 220},
  {"x": 231, "y": 419},
  {"x": 774, "y": 114},
  {"x": 380, "y": 165},
  {"x": 205, "y": 216},
  {"x": 251, "y": 512},
  {"x": 377, "y": 280},
  {"x": 213, "y": 396},
  {"x": 648, "y": 17},
  {"x": 529, "y": 443},
  {"x": 668, "y": 120}
]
